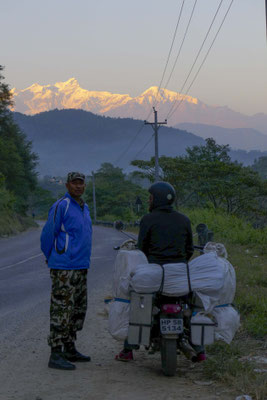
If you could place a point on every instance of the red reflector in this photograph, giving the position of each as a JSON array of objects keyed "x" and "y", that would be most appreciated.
[{"x": 171, "y": 308}]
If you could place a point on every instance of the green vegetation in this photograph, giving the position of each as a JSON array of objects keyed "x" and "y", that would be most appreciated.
[
  {"x": 207, "y": 178},
  {"x": 260, "y": 165},
  {"x": 116, "y": 195},
  {"x": 247, "y": 251},
  {"x": 17, "y": 168}
]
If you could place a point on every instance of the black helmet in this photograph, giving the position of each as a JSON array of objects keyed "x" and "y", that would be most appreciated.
[{"x": 163, "y": 194}]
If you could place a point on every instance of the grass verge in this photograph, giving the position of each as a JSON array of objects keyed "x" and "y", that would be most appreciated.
[
  {"x": 233, "y": 364},
  {"x": 13, "y": 223}
]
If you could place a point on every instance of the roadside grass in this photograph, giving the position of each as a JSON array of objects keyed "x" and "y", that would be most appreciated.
[
  {"x": 12, "y": 223},
  {"x": 247, "y": 251},
  {"x": 233, "y": 364},
  {"x": 229, "y": 365}
]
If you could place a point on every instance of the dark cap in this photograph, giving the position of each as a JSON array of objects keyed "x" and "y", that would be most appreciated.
[{"x": 75, "y": 175}]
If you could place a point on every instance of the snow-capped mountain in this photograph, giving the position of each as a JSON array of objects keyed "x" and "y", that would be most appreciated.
[{"x": 176, "y": 107}]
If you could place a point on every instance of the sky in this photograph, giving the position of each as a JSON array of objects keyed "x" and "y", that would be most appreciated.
[{"x": 122, "y": 46}]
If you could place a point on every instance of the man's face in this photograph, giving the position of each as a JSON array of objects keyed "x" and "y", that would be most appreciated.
[{"x": 76, "y": 188}]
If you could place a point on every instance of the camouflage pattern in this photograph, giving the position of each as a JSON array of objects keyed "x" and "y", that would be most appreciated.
[
  {"x": 75, "y": 175},
  {"x": 68, "y": 305}
]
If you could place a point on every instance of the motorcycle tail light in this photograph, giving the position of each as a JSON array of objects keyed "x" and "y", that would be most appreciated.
[{"x": 171, "y": 308}]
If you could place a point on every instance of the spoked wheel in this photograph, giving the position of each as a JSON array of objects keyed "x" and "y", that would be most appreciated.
[{"x": 168, "y": 356}]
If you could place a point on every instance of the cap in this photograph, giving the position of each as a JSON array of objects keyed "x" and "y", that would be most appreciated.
[{"x": 75, "y": 175}]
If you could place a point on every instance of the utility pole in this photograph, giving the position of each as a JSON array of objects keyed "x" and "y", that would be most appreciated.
[
  {"x": 155, "y": 126},
  {"x": 94, "y": 200}
]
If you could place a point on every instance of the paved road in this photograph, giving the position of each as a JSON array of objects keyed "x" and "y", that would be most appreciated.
[
  {"x": 24, "y": 325},
  {"x": 24, "y": 276}
]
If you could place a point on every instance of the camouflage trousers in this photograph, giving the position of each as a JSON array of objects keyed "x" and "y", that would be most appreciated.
[{"x": 68, "y": 305}]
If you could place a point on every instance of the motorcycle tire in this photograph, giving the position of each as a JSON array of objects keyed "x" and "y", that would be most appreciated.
[{"x": 168, "y": 352}]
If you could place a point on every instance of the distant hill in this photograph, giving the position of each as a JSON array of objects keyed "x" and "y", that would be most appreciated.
[
  {"x": 80, "y": 140},
  {"x": 69, "y": 95},
  {"x": 239, "y": 138}
]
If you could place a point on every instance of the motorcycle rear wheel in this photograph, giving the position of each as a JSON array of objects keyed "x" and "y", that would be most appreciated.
[{"x": 168, "y": 352}]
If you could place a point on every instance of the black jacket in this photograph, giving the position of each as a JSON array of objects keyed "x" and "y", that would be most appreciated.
[{"x": 165, "y": 236}]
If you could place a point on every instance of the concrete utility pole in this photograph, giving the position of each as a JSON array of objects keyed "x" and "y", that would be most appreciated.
[
  {"x": 94, "y": 200},
  {"x": 155, "y": 125}
]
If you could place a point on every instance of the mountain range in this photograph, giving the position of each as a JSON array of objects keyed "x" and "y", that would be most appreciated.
[
  {"x": 177, "y": 107},
  {"x": 70, "y": 139}
]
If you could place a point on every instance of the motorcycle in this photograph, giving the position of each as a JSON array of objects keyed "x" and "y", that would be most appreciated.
[{"x": 164, "y": 323}]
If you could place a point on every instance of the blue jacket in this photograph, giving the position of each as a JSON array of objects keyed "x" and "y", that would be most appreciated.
[{"x": 66, "y": 238}]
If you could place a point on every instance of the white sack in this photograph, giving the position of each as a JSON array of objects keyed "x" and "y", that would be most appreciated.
[
  {"x": 228, "y": 320},
  {"x": 212, "y": 279},
  {"x": 118, "y": 321},
  {"x": 126, "y": 261},
  {"x": 146, "y": 278},
  {"x": 227, "y": 293}
]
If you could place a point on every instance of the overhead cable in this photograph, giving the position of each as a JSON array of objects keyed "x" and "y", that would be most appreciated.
[
  {"x": 143, "y": 148},
  {"x": 205, "y": 58},
  {"x": 168, "y": 58},
  {"x": 197, "y": 56},
  {"x": 180, "y": 49},
  {"x": 130, "y": 144}
]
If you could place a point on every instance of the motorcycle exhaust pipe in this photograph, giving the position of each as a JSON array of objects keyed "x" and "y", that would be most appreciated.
[{"x": 188, "y": 350}]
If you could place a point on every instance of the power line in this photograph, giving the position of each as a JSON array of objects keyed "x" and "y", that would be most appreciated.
[
  {"x": 143, "y": 148},
  {"x": 168, "y": 58},
  {"x": 141, "y": 128},
  {"x": 198, "y": 54},
  {"x": 180, "y": 49},
  {"x": 130, "y": 144},
  {"x": 205, "y": 58}
]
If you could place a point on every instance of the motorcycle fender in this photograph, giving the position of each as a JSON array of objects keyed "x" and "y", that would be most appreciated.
[{"x": 170, "y": 336}]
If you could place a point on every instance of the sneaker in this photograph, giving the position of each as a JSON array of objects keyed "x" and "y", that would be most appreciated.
[
  {"x": 125, "y": 356},
  {"x": 201, "y": 357}
]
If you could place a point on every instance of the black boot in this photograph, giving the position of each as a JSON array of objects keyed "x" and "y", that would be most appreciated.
[
  {"x": 57, "y": 360},
  {"x": 71, "y": 354}
]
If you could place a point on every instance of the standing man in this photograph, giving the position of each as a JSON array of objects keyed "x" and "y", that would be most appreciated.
[{"x": 66, "y": 243}]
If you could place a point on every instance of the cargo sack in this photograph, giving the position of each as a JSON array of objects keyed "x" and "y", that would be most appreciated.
[
  {"x": 228, "y": 322},
  {"x": 118, "y": 320},
  {"x": 125, "y": 263}
]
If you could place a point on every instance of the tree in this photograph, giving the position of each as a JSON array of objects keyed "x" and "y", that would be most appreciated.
[
  {"x": 260, "y": 165},
  {"x": 17, "y": 161},
  {"x": 115, "y": 194},
  {"x": 206, "y": 177}
]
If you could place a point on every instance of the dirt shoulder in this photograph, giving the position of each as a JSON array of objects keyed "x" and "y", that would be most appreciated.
[{"x": 25, "y": 376}]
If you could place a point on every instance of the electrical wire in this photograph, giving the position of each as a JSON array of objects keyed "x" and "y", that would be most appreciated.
[
  {"x": 143, "y": 148},
  {"x": 168, "y": 58},
  {"x": 197, "y": 56},
  {"x": 205, "y": 58},
  {"x": 180, "y": 49},
  {"x": 163, "y": 75},
  {"x": 130, "y": 145}
]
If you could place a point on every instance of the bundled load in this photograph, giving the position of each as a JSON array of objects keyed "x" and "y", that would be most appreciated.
[
  {"x": 204, "y": 276},
  {"x": 210, "y": 277},
  {"x": 126, "y": 261}
]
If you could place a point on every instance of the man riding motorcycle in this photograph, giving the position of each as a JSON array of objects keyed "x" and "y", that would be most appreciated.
[{"x": 165, "y": 236}]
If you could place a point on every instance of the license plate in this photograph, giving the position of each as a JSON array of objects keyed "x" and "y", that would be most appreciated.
[{"x": 174, "y": 325}]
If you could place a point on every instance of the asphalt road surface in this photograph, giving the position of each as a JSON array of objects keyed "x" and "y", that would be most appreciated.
[{"x": 24, "y": 326}]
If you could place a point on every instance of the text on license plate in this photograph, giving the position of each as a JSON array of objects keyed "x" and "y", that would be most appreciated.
[{"x": 168, "y": 325}]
